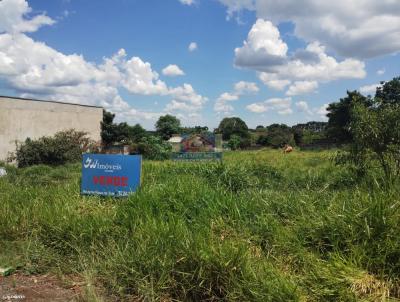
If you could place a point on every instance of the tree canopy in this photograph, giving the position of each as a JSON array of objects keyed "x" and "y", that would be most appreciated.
[
  {"x": 167, "y": 125},
  {"x": 376, "y": 139},
  {"x": 112, "y": 133},
  {"x": 233, "y": 125},
  {"x": 194, "y": 130},
  {"x": 389, "y": 92},
  {"x": 108, "y": 135},
  {"x": 339, "y": 114},
  {"x": 279, "y": 135}
]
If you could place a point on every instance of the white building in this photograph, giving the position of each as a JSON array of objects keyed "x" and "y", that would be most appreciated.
[{"x": 22, "y": 118}]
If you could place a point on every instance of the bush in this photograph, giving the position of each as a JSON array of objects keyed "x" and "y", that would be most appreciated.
[
  {"x": 234, "y": 142},
  {"x": 237, "y": 142},
  {"x": 154, "y": 147},
  {"x": 64, "y": 147},
  {"x": 376, "y": 141},
  {"x": 279, "y": 135}
]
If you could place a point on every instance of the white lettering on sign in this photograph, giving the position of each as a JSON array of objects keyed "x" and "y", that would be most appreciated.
[{"x": 94, "y": 164}]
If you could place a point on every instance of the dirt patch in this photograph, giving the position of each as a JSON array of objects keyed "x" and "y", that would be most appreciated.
[{"x": 19, "y": 287}]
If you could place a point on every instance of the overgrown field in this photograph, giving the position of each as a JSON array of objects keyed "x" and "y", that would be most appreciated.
[{"x": 262, "y": 226}]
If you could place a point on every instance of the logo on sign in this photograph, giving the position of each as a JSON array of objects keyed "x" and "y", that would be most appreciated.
[{"x": 94, "y": 164}]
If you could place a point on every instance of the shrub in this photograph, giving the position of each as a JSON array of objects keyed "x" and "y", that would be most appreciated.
[
  {"x": 376, "y": 141},
  {"x": 262, "y": 140},
  {"x": 154, "y": 147},
  {"x": 64, "y": 147},
  {"x": 234, "y": 142}
]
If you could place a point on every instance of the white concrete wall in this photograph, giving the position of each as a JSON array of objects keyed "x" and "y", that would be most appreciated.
[{"x": 21, "y": 118}]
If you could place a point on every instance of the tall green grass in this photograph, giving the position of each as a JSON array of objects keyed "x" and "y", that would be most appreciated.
[{"x": 261, "y": 226}]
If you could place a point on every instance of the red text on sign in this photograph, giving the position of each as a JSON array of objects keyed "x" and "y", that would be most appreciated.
[{"x": 116, "y": 181}]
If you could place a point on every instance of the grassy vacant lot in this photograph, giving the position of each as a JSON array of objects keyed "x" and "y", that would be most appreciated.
[{"x": 262, "y": 226}]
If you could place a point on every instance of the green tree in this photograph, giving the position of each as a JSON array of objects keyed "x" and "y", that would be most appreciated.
[
  {"x": 389, "y": 92},
  {"x": 310, "y": 132},
  {"x": 112, "y": 133},
  {"x": 374, "y": 128},
  {"x": 234, "y": 142},
  {"x": 278, "y": 135},
  {"x": 136, "y": 133},
  {"x": 167, "y": 125},
  {"x": 339, "y": 114},
  {"x": 108, "y": 128},
  {"x": 233, "y": 126},
  {"x": 153, "y": 147},
  {"x": 376, "y": 139},
  {"x": 298, "y": 135},
  {"x": 121, "y": 133},
  {"x": 194, "y": 130},
  {"x": 262, "y": 140}
]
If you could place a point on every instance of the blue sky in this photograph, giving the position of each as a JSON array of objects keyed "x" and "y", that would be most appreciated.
[{"x": 261, "y": 61}]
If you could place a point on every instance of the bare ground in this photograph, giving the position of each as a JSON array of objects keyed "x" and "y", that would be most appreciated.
[{"x": 39, "y": 288}]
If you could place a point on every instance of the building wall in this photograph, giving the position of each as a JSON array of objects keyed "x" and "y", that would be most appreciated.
[{"x": 22, "y": 118}]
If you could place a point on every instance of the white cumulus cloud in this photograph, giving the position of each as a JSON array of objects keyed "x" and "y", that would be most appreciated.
[
  {"x": 139, "y": 78},
  {"x": 264, "y": 51},
  {"x": 185, "y": 98},
  {"x": 369, "y": 89},
  {"x": 192, "y": 46},
  {"x": 222, "y": 105},
  {"x": 302, "y": 87},
  {"x": 322, "y": 111},
  {"x": 187, "y": 2},
  {"x": 13, "y": 17},
  {"x": 257, "y": 107},
  {"x": 240, "y": 88},
  {"x": 243, "y": 87},
  {"x": 281, "y": 105},
  {"x": 172, "y": 70},
  {"x": 262, "y": 48},
  {"x": 319, "y": 112},
  {"x": 271, "y": 80},
  {"x": 285, "y": 111},
  {"x": 302, "y": 106},
  {"x": 357, "y": 28},
  {"x": 36, "y": 70},
  {"x": 381, "y": 71}
]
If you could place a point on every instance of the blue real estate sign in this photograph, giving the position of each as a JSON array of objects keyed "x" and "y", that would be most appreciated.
[{"x": 110, "y": 175}]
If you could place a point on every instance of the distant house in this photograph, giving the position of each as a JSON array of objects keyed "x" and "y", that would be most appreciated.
[
  {"x": 175, "y": 142},
  {"x": 198, "y": 143}
]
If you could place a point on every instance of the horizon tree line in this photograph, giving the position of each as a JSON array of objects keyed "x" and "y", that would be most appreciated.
[{"x": 336, "y": 130}]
